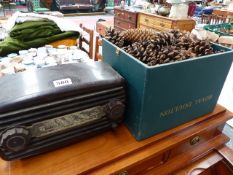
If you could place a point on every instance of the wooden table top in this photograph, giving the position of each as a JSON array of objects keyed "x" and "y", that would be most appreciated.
[
  {"x": 222, "y": 12},
  {"x": 108, "y": 148}
]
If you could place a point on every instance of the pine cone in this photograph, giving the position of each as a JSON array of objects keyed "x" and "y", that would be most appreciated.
[
  {"x": 158, "y": 48},
  {"x": 202, "y": 48},
  {"x": 135, "y": 35},
  {"x": 115, "y": 37}
]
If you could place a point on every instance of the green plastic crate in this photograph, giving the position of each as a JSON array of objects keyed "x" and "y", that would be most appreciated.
[{"x": 218, "y": 27}]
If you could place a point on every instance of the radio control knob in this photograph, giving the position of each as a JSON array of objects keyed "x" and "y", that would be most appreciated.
[
  {"x": 115, "y": 110},
  {"x": 15, "y": 139}
]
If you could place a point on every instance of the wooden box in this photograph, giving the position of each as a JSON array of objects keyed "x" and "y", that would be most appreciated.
[
  {"x": 161, "y": 23},
  {"x": 124, "y": 19}
]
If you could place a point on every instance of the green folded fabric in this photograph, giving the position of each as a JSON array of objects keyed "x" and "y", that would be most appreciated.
[
  {"x": 12, "y": 45},
  {"x": 31, "y": 30}
]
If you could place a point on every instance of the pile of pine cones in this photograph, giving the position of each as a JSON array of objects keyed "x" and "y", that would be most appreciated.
[{"x": 155, "y": 48}]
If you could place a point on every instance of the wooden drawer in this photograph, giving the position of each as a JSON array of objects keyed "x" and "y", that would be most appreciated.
[
  {"x": 185, "y": 25},
  {"x": 125, "y": 15},
  {"x": 119, "y": 14},
  {"x": 161, "y": 160},
  {"x": 213, "y": 164},
  {"x": 123, "y": 24},
  {"x": 154, "y": 21},
  {"x": 124, "y": 19},
  {"x": 186, "y": 158},
  {"x": 193, "y": 141},
  {"x": 141, "y": 167},
  {"x": 163, "y": 24},
  {"x": 131, "y": 17},
  {"x": 157, "y": 28},
  {"x": 141, "y": 26}
]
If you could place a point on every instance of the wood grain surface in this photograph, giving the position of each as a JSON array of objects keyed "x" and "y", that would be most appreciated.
[{"x": 114, "y": 151}]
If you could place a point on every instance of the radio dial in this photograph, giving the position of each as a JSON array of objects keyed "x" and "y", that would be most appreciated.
[
  {"x": 115, "y": 110},
  {"x": 15, "y": 139}
]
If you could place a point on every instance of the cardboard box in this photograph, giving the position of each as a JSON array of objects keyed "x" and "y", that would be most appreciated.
[{"x": 164, "y": 96}]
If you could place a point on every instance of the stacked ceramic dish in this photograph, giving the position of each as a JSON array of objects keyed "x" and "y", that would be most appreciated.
[{"x": 41, "y": 57}]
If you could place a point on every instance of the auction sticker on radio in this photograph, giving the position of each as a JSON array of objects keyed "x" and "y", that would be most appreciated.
[{"x": 62, "y": 82}]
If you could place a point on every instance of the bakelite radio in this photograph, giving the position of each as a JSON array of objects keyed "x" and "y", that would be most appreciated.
[{"x": 48, "y": 108}]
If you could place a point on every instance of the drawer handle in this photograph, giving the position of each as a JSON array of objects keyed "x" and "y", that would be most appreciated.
[
  {"x": 118, "y": 22},
  {"x": 195, "y": 169},
  {"x": 123, "y": 173},
  {"x": 146, "y": 20},
  {"x": 194, "y": 140},
  {"x": 130, "y": 17},
  {"x": 162, "y": 24}
]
